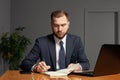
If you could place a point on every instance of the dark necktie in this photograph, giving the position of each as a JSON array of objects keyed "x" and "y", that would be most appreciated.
[{"x": 62, "y": 56}]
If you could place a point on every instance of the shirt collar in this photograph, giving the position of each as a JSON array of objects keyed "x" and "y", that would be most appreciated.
[{"x": 57, "y": 40}]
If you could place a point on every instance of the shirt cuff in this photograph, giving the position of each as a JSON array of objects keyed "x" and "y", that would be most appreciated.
[{"x": 80, "y": 67}]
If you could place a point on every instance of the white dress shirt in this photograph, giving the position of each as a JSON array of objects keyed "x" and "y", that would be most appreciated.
[{"x": 57, "y": 46}]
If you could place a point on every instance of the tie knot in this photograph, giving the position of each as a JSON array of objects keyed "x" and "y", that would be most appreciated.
[{"x": 61, "y": 42}]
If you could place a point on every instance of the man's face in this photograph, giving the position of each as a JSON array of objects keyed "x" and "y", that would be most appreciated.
[{"x": 60, "y": 26}]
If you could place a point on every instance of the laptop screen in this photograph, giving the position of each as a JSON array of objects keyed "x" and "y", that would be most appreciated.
[{"x": 108, "y": 61}]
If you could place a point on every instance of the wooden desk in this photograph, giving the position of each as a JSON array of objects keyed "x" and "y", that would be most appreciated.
[{"x": 15, "y": 75}]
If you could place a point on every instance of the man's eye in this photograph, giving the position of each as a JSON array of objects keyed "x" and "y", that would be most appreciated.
[
  {"x": 63, "y": 25},
  {"x": 56, "y": 25}
]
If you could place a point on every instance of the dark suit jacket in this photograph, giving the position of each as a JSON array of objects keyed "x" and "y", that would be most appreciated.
[{"x": 44, "y": 49}]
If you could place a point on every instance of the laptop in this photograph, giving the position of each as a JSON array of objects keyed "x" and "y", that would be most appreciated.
[{"x": 108, "y": 62}]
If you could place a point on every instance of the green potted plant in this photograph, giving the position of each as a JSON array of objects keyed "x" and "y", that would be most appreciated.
[{"x": 12, "y": 47}]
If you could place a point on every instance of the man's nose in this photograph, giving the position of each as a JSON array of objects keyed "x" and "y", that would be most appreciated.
[{"x": 59, "y": 28}]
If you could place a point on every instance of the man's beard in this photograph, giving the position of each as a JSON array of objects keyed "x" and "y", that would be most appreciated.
[{"x": 59, "y": 36}]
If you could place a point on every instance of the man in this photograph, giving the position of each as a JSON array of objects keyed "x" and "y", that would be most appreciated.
[{"x": 48, "y": 48}]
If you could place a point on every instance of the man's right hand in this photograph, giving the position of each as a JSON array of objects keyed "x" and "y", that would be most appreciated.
[{"x": 41, "y": 67}]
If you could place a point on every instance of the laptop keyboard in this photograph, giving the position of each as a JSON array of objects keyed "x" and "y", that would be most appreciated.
[{"x": 88, "y": 72}]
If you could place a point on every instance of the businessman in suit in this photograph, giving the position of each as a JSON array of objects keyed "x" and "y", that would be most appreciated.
[{"x": 47, "y": 48}]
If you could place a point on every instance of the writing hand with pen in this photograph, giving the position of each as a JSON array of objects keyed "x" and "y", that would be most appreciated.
[{"x": 41, "y": 67}]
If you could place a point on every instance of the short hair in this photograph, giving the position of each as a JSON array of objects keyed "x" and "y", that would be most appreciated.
[{"x": 58, "y": 13}]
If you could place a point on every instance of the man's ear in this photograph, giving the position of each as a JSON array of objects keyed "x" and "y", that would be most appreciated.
[{"x": 68, "y": 22}]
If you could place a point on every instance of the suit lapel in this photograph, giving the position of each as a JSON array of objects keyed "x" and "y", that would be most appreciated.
[
  {"x": 68, "y": 49},
  {"x": 51, "y": 45}
]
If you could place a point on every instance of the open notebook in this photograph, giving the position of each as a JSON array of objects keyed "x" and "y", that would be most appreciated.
[
  {"x": 108, "y": 62},
  {"x": 62, "y": 72}
]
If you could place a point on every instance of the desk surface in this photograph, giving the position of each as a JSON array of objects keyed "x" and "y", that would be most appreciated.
[{"x": 15, "y": 75}]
